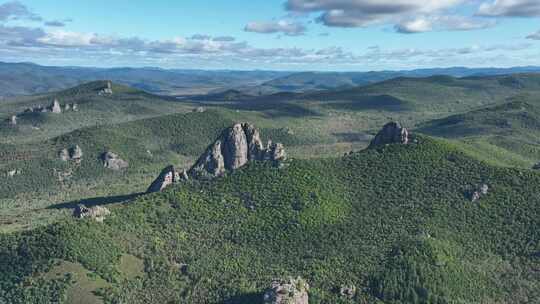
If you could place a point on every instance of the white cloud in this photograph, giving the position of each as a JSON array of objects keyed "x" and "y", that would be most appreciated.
[
  {"x": 280, "y": 26},
  {"x": 510, "y": 8},
  {"x": 442, "y": 23}
]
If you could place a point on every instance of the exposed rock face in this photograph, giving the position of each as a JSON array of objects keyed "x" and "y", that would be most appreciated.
[
  {"x": 64, "y": 155},
  {"x": 392, "y": 133},
  {"x": 74, "y": 153},
  {"x": 107, "y": 90},
  {"x": 75, "y": 107},
  {"x": 478, "y": 194},
  {"x": 113, "y": 161},
  {"x": 96, "y": 213},
  {"x": 235, "y": 148},
  {"x": 13, "y": 172},
  {"x": 348, "y": 291},
  {"x": 291, "y": 291},
  {"x": 13, "y": 120},
  {"x": 167, "y": 177},
  {"x": 55, "y": 107}
]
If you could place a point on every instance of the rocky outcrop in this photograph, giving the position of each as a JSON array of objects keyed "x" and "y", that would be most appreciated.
[
  {"x": 107, "y": 90},
  {"x": 290, "y": 291},
  {"x": 166, "y": 178},
  {"x": 113, "y": 161},
  {"x": 199, "y": 110},
  {"x": 348, "y": 291},
  {"x": 75, "y": 107},
  {"x": 13, "y": 120},
  {"x": 235, "y": 147},
  {"x": 481, "y": 192},
  {"x": 55, "y": 107},
  {"x": 97, "y": 213},
  {"x": 536, "y": 167},
  {"x": 392, "y": 133},
  {"x": 74, "y": 153}
]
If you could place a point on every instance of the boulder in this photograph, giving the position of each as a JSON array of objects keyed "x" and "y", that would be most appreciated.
[
  {"x": 290, "y": 291},
  {"x": 13, "y": 120},
  {"x": 199, "y": 110},
  {"x": 391, "y": 133},
  {"x": 75, "y": 107},
  {"x": 536, "y": 167},
  {"x": 348, "y": 291},
  {"x": 64, "y": 155},
  {"x": 96, "y": 213},
  {"x": 76, "y": 153},
  {"x": 479, "y": 193},
  {"x": 167, "y": 177},
  {"x": 235, "y": 147},
  {"x": 107, "y": 90},
  {"x": 67, "y": 107},
  {"x": 55, "y": 107},
  {"x": 113, "y": 161}
]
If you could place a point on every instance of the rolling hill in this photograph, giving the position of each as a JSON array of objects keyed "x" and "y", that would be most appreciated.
[
  {"x": 397, "y": 223},
  {"x": 506, "y": 134}
]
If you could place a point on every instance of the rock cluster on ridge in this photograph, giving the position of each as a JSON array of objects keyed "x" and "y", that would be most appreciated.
[
  {"x": 391, "y": 133},
  {"x": 96, "y": 213},
  {"x": 74, "y": 153},
  {"x": 113, "y": 161},
  {"x": 290, "y": 291},
  {"x": 167, "y": 177},
  {"x": 235, "y": 147}
]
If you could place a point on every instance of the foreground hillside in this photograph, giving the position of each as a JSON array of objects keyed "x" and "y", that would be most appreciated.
[{"x": 397, "y": 223}]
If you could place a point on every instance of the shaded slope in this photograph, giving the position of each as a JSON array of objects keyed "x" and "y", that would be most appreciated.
[
  {"x": 507, "y": 134},
  {"x": 396, "y": 222}
]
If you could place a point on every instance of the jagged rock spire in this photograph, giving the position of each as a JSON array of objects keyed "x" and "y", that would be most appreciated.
[{"x": 235, "y": 147}]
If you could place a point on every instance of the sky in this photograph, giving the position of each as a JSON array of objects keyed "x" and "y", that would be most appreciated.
[{"x": 293, "y": 35}]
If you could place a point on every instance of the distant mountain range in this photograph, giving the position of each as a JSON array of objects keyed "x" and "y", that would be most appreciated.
[{"x": 28, "y": 78}]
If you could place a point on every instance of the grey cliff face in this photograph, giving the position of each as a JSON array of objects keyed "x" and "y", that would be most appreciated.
[{"x": 392, "y": 133}]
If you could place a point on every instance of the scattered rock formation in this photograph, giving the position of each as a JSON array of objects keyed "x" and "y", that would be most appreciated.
[
  {"x": 107, "y": 90},
  {"x": 392, "y": 133},
  {"x": 64, "y": 155},
  {"x": 74, "y": 153},
  {"x": 55, "y": 107},
  {"x": 348, "y": 291},
  {"x": 13, "y": 120},
  {"x": 12, "y": 173},
  {"x": 235, "y": 148},
  {"x": 113, "y": 161},
  {"x": 478, "y": 194},
  {"x": 291, "y": 291},
  {"x": 96, "y": 213},
  {"x": 166, "y": 178}
]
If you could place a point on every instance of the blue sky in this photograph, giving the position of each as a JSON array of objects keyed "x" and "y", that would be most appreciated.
[{"x": 344, "y": 35}]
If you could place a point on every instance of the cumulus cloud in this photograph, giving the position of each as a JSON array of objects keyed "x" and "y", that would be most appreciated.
[
  {"x": 55, "y": 23},
  {"x": 442, "y": 23},
  {"x": 510, "y": 8},
  {"x": 280, "y": 26},
  {"x": 15, "y": 10},
  {"x": 534, "y": 36},
  {"x": 408, "y": 16}
]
